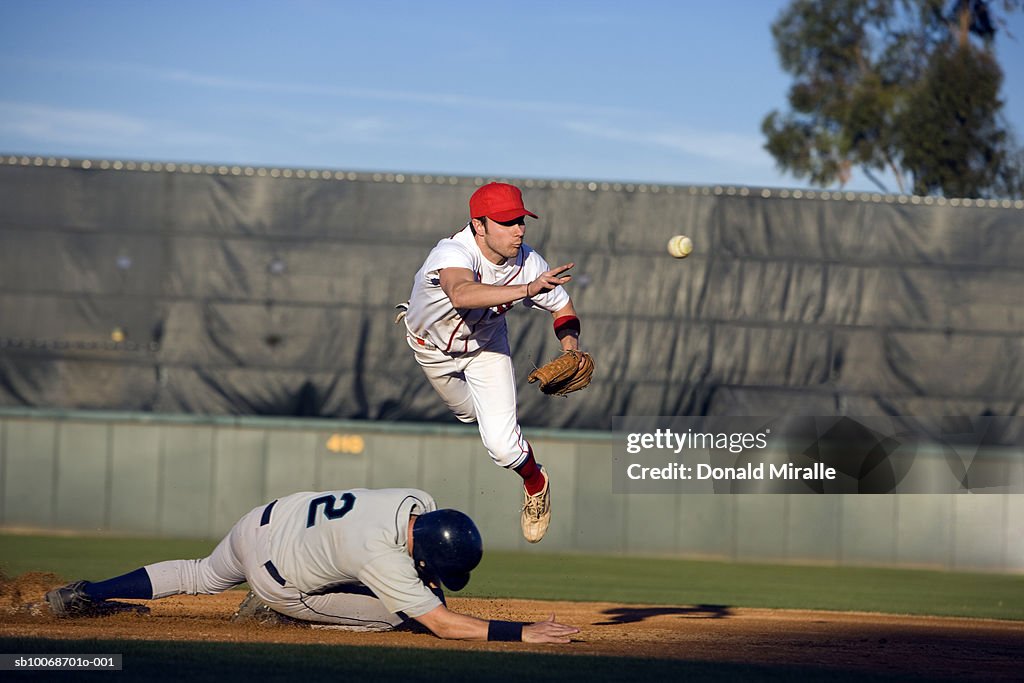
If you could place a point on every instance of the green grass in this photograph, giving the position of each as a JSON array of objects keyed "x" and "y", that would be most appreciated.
[
  {"x": 605, "y": 579},
  {"x": 91, "y": 557},
  {"x": 682, "y": 582},
  {"x": 155, "y": 662}
]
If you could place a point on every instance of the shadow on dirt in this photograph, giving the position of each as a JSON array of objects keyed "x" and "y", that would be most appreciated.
[{"x": 632, "y": 615}]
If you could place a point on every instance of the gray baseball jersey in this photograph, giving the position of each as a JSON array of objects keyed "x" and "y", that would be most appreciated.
[
  {"x": 431, "y": 316},
  {"x": 324, "y": 539}
]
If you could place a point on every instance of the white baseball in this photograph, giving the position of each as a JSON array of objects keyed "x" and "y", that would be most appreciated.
[{"x": 680, "y": 246}]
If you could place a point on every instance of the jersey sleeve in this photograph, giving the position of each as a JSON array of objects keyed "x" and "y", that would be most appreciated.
[
  {"x": 448, "y": 254},
  {"x": 394, "y": 580}
]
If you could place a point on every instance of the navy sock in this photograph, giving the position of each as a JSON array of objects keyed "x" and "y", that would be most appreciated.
[{"x": 134, "y": 584}]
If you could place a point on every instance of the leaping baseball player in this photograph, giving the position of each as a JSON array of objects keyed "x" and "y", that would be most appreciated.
[
  {"x": 360, "y": 559},
  {"x": 455, "y": 322}
]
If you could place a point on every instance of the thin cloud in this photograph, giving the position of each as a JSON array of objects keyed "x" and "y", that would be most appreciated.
[
  {"x": 319, "y": 126},
  {"x": 435, "y": 99},
  {"x": 73, "y": 126},
  {"x": 743, "y": 150},
  {"x": 56, "y": 124},
  {"x": 212, "y": 81},
  {"x": 339, "y": 130},
  {"x": 590, "y": 18}
]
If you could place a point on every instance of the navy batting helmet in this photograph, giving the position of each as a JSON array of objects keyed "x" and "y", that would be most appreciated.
[{"x": 446, "y": 546}]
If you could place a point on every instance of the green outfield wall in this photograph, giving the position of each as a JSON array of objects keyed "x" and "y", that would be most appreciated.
[{"x": 187, "y": 476}]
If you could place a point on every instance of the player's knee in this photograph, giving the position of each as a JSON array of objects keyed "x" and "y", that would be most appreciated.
[
  {"x": 208, "y": 582},
  {"x": 504, "y": 454},
  {"x": 464, "y": 412}
]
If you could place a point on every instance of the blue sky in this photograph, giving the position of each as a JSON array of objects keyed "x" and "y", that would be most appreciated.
[{"x": 647, "y": 91}]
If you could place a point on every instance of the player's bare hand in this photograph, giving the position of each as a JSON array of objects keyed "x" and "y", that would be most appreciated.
[
  {"x": 549, "y": 631},
  {"x": 549, "y": 279}
]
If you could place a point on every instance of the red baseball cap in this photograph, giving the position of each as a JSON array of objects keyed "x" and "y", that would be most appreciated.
[{"x": 498, "y": 201}]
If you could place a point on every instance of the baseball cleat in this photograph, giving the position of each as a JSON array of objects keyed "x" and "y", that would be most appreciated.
[
  {"x": 72, "y": 601},
  {"x": 253, "y": 609},
  {"x": 537, "y": 512},
  {"x": 69, "y": 600}
]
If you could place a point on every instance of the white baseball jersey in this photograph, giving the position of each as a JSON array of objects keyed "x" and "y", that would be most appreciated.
[
  {"x": 323, "y": 539},
  {"x": 432, "y": 317}
]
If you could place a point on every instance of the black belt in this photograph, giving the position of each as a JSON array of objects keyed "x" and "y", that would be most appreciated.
[
  {"x": 346, "y": 588},
  {"x": 265, "y": 519},
  {"x": 268, "y": 565},
  {"x": 272, "y": 570}
]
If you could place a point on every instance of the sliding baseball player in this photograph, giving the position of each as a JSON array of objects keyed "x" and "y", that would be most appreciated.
[{"x": 360, "y": 559}]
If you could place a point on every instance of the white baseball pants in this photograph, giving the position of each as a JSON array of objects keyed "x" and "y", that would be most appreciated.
[
  {"x": 479, "y": 386},
  {"x": 242, "y": 556}
]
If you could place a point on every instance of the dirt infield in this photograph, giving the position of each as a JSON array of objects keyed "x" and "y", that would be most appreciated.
[{"x": 930, "y": 647}]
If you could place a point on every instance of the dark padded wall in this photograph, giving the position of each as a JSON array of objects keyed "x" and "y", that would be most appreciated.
[{"x": 244, "y": 293}]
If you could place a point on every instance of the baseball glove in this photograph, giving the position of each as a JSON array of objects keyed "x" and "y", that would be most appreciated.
[{"x": 564, "y": 374}]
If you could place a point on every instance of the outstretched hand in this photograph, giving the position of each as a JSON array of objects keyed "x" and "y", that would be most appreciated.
[
  {"x": 548, "y": 280},
  {"x": 549, "y": 631}
]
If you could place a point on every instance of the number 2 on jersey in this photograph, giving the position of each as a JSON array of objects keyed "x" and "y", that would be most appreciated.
[{"x": 330, "y": 511}]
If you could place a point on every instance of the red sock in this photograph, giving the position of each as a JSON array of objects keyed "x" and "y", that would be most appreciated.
[{"x": 533, "y": 478}]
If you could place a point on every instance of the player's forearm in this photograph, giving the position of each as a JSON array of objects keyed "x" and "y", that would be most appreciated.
[
  {"x": 478, "y": 295},
  {"x": 567, "y": 327},
  {"x": 454, "y": 626}
]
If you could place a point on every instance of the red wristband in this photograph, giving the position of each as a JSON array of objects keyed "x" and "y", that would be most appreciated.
[{"x": 567, "y": 322}]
